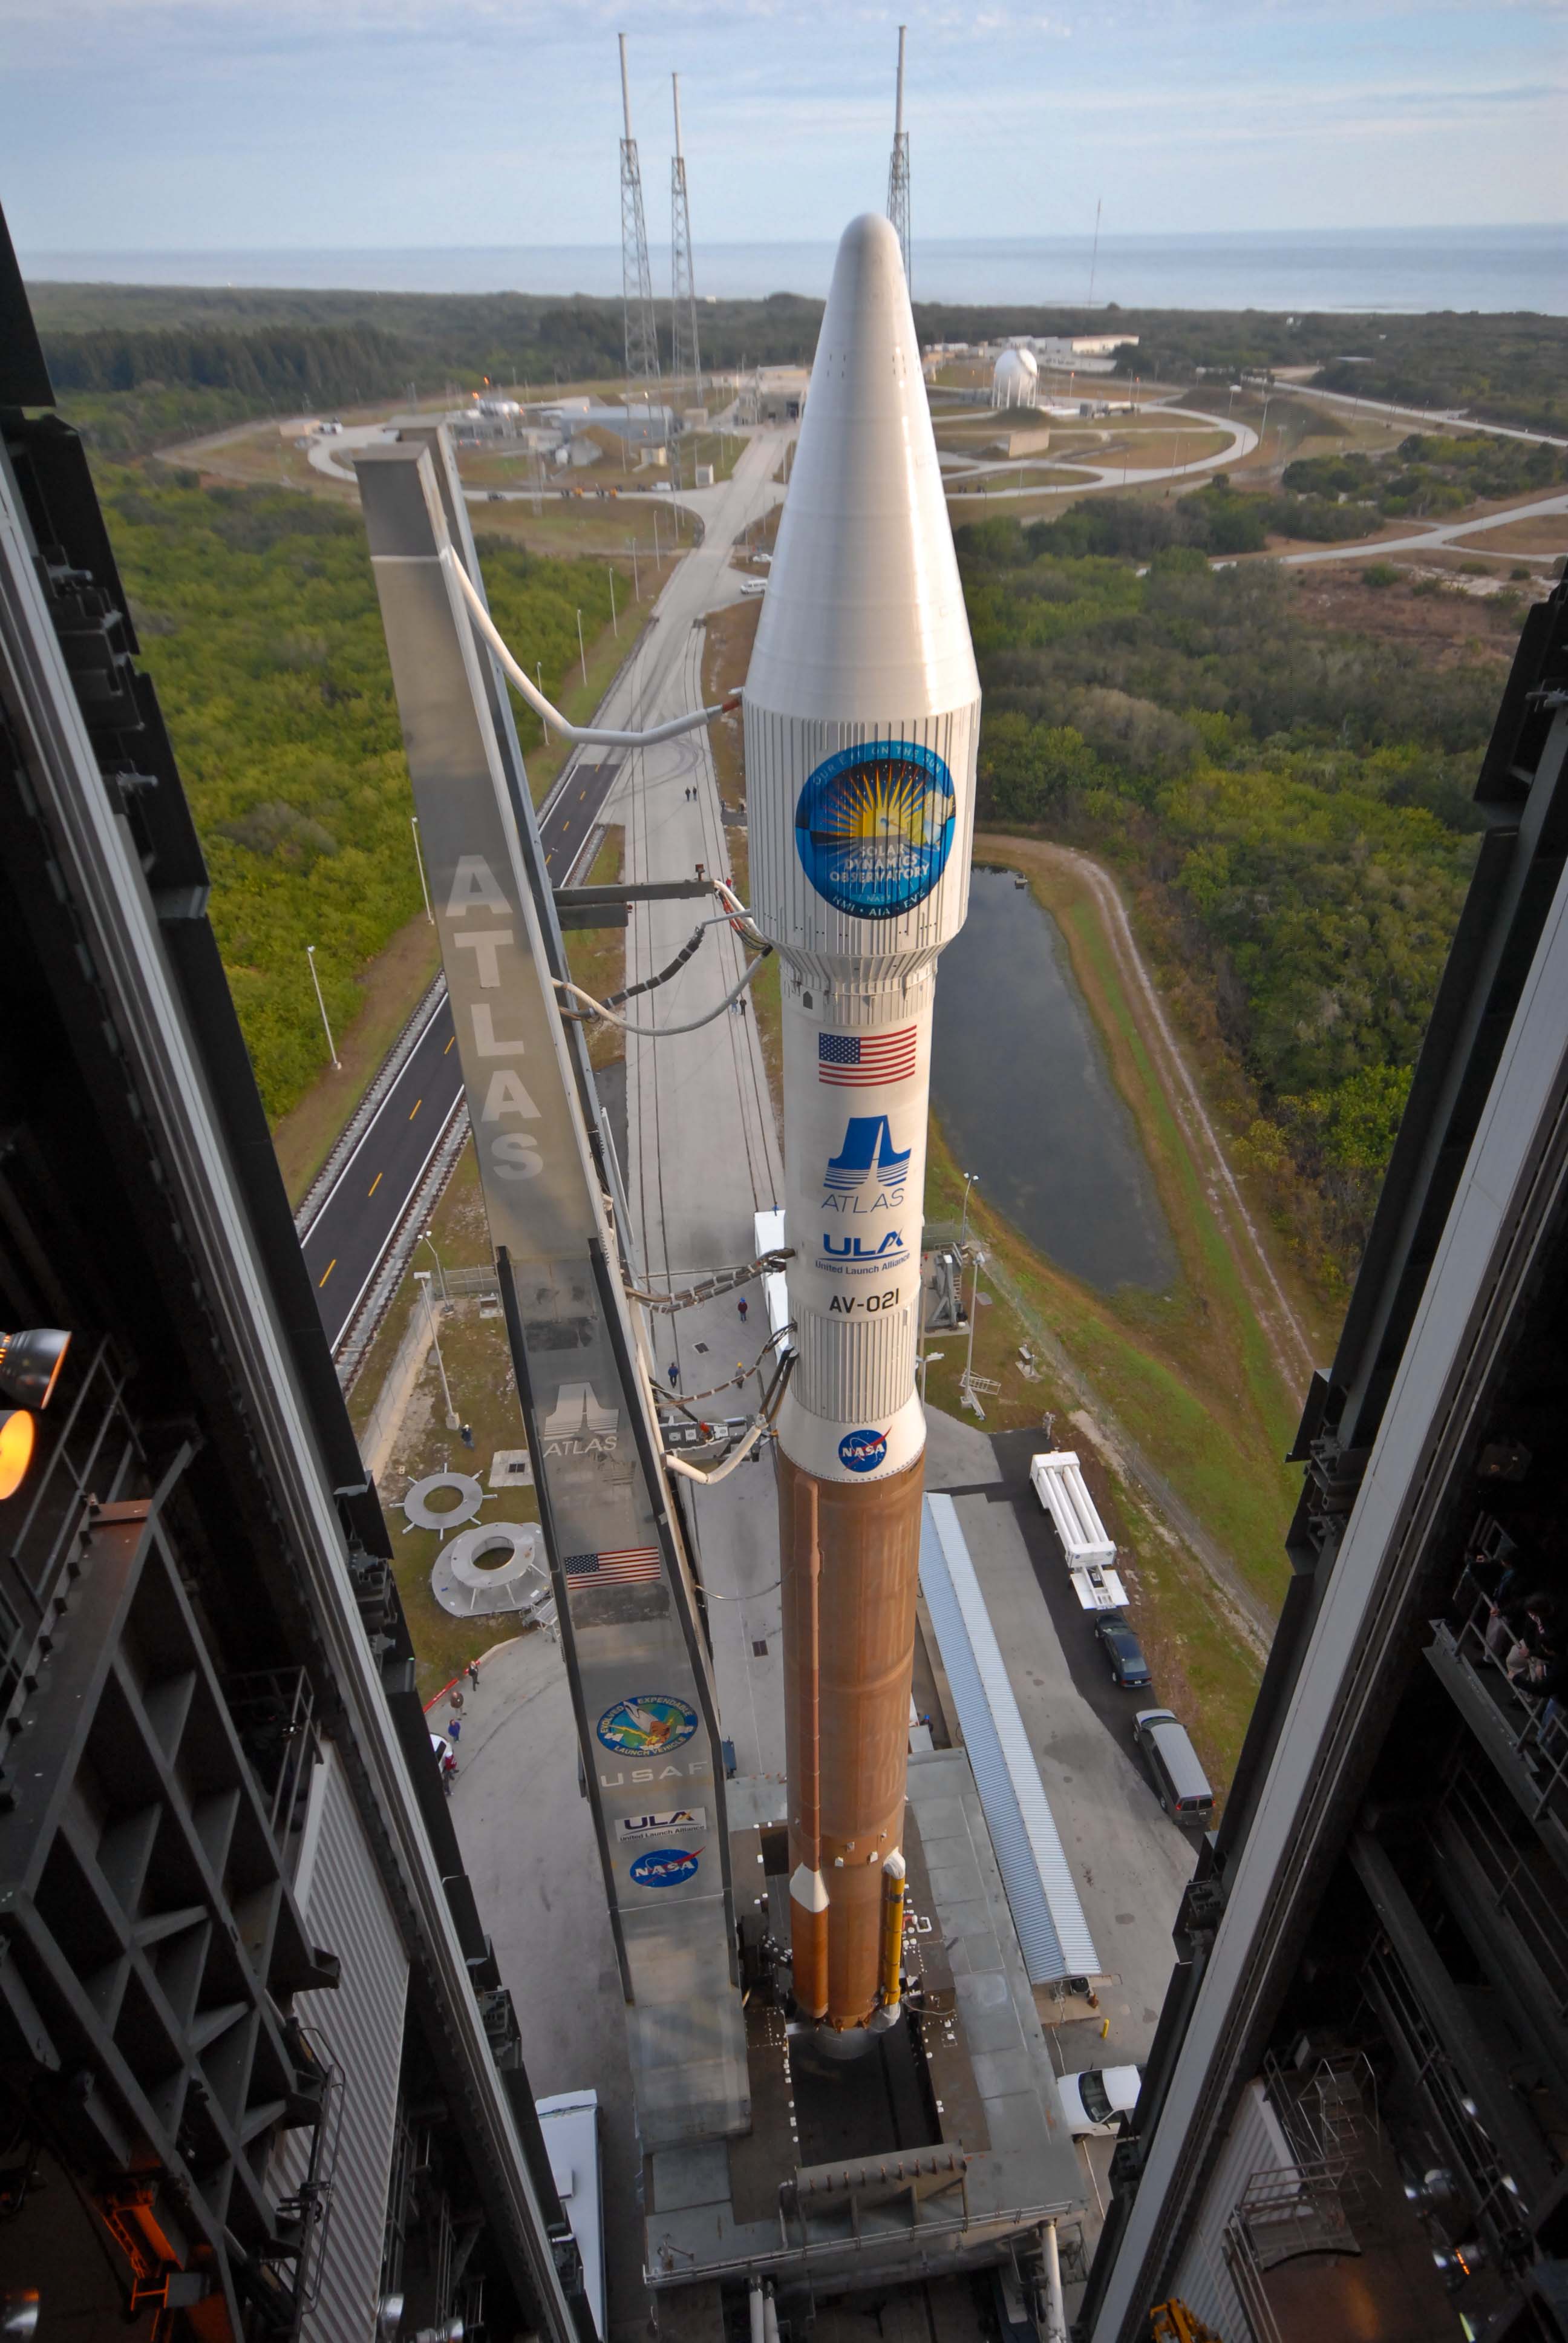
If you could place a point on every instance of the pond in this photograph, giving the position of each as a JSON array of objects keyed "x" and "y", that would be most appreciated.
[{"x": 1022, "y": 1090}]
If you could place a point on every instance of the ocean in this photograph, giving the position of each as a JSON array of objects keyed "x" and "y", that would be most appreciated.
[{"x": 1333, "y": 269}]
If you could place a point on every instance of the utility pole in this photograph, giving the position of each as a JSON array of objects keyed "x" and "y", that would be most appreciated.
[
  {"x": 899, "y": 170},
  {"x": 422, "y": 1278},
  {"x": 636, "y": 277},
  {"x": 970, "y": 1393},
  {"x": 582, "y": 654},
  {"x": 971, "y": 1179},
  {"x": 419, "y": 859},
  {"x": 636, "y": 583},
  {"x": 316, "y": 980},
  {"x": 539, "y": 679},
  {"x": 615, "y": 622}
]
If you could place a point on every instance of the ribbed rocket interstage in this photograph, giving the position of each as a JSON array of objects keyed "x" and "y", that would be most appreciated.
[{"x": 862, "y": 720}]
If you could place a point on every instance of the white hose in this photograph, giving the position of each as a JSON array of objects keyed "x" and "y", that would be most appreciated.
[
  {"x": 659, "y": 1033},
  {"x": 593, "y": 733},
  {"x": 719, "y": 1472}
]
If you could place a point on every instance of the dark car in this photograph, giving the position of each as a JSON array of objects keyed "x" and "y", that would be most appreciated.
[{"x": 1124, "y": 1650}]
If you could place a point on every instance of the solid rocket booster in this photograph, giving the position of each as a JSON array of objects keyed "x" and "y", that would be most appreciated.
[{"x": 862, "y": 717}]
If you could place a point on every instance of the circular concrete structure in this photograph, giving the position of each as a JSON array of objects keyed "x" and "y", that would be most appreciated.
[
  {"x": 423, "y": 1515},
  {"x": 467, "y": 1586}
]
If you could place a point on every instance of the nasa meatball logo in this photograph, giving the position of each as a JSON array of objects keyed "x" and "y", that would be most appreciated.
[
  {"x": 665, "y": 1867},
  {"x": 862, "y": 1451},
  {"x": 650, "y": 1722},
  {"x": 874, "y": 827}
]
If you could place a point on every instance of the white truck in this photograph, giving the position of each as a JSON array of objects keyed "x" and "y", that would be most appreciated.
[{"x": 1058, "y": 1482}]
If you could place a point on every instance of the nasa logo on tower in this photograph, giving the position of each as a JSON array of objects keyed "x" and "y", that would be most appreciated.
[
  {"x": 665, "y": 1867},
  {"x": 874, "y": 826},
  {"x": 862, "y": 1451},
  {"x": 648, "y": 1721}
]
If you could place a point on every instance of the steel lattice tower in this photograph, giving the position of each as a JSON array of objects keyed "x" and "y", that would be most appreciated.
[
  {"x": 636, "y": 276},
  {"x": 685, "y": 356},
  {"x": 898, "y": 171}
]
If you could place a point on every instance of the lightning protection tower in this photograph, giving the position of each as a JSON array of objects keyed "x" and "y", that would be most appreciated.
[
  {"x": 686, "y": 358},
  {"x": 636, "y": 277},
  {"x": 898, "y": 171}
]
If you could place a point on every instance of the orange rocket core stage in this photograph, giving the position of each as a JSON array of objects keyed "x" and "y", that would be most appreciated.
[{"x": 852, "y": 1569}]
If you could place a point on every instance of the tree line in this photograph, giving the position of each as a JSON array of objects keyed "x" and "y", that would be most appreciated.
[{"x": 1292, "y": 800}]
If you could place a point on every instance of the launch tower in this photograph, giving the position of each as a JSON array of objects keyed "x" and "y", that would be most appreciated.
[
  {"x": 898, "y": 169},
  {"x": 636, "y": 276},
  {"x": 685, "y": 356}
]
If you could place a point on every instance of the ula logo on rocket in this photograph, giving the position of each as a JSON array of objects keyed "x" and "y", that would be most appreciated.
[{"x": 874, "y": 827}]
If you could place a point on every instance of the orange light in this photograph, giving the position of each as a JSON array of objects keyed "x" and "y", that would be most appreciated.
[{"x": 18, "y": 1431}]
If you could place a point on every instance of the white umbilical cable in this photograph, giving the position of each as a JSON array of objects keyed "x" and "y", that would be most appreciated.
[{"x": 594, "y": 735}]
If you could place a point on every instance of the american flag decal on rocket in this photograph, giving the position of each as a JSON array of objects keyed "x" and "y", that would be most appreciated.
[{"x": 867, "y": 1061}]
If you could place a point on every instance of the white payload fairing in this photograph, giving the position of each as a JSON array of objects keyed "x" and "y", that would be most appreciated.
[{"x": 862, "y": 719}]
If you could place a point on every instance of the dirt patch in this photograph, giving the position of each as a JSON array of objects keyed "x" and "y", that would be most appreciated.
[{"x": 1453, "y": 630}]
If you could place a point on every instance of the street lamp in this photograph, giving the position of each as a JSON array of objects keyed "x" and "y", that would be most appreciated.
[
  {"x": 582, "y": 654},
  {"x": 971, "y": 1179},
  {"x": 967, "y": 1379},
  {"x": 425, "y": 1237},
  {"x": 615, "y": 622},
  {"x": 316, "y": 980},
  {"x": 539, "y": 679},
  {"x": 422, "y": 1279},
  {"x": 419, "y": 859}
]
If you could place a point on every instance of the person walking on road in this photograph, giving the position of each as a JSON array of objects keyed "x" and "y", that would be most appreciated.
[
  {"x": 474, "y": 1674},
  {"x": 454, "y": 1728},
  {"x": 741, "y": 1306},
  {"x": 674, "y": 1374}
]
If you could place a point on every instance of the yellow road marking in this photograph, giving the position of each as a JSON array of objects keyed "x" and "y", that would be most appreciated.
[
  {"x": 448, "y": 1045},
  {"x": 375, "y": 1183},
  {"x": 415, "y": 1108},
  {"x": 327, "y": 1272}
]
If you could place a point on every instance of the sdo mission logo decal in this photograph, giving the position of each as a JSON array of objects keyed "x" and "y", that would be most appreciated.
[{"x": 874, "y": 827}]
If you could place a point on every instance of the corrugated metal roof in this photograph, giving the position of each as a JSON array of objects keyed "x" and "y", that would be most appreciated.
[{"x": 1040, "y": 1893}]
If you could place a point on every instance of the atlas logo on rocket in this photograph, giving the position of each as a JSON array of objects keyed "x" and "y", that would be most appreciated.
[
  {"x": 868, "y": 1156},
  {"x": 874, "y": 827}
]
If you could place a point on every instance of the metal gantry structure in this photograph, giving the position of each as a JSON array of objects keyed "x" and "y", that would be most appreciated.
[
  {"x": 899, "y": 171},
  {"x": 635, "y": 275},
  {"x": 686, "y": 358}
]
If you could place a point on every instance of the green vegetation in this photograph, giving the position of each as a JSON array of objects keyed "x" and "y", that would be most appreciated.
[
  {"x": 1295, "y": 795},
  {"x": 1428, "y": 476},
  {"x": 260, "y": 623}
]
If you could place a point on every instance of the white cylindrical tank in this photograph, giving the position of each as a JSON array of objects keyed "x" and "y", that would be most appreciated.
[{"x": 1015, "y": 379}]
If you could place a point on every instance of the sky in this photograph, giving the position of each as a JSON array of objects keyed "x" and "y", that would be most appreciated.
[{"x": 212, "y": 124}]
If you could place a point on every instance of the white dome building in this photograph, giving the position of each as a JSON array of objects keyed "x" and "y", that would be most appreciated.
[{"x": 1015, "y": 379}]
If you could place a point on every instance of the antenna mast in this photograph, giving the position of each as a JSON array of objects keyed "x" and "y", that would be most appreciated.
[
  {"x": 898, "y": 171},
  {"x": 686, "y": 358},
  {"x": 636, "y": 277}
]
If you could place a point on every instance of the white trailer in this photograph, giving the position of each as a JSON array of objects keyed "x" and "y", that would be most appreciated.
[{"x": 1058, "y": 1484}]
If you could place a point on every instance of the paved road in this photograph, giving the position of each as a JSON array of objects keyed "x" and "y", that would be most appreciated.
[
  {"x": 1456, "y": 533},
  {"x": 362, "y": 1210}
]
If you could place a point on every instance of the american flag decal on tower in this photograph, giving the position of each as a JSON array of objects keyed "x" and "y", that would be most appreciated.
[
  {"x": 867, "y": 1061},
  {"x": 623, "y": 1566}
]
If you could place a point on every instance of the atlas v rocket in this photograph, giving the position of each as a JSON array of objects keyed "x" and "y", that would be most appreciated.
[{"x": 862, "y": 717}]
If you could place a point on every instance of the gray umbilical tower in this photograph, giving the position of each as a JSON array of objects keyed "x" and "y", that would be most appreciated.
[
  {"x": 685, "y": 356},
  {"x": 636, "y": 276},
  {"x": 898, "y": 171}
]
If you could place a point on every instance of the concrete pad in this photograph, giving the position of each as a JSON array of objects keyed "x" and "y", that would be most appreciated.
[{"x": 690, "y": 2176}]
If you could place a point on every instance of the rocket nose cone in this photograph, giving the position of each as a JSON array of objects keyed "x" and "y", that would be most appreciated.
[{"x": 864, "y": 615}]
